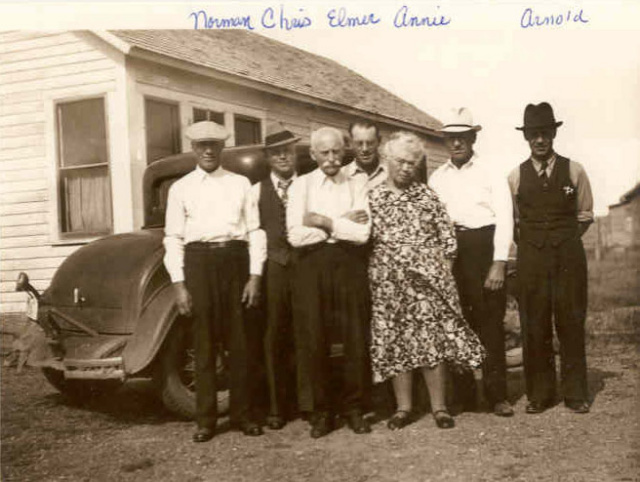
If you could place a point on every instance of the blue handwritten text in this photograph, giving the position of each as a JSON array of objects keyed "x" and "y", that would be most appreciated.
[
  {"x": 341, "y": 18},
  {"x": 404, "y": 19},
  {"x": 202, "y": 20},
  {"x": 528, "y": 19},
  {"x": 282, "y": 21}
]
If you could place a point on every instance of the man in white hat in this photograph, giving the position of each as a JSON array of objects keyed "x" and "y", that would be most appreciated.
[
  {"x": 215, "y": 251},
  {"x": 271, "y": 195},
  {"x": 479, "y": 203}
]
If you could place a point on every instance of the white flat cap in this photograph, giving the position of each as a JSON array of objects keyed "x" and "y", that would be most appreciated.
[{"x": 206, "y": 131}]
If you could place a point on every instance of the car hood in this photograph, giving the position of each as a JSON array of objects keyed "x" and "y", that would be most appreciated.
[{"x": 110, "y": 276}]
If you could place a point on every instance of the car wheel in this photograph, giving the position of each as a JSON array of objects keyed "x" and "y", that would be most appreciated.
[
  {"x": 79, "y": 390},
  {"x": 177, "y": 373}
]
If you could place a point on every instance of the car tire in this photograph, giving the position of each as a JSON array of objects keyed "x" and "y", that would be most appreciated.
[
  {"x": 79, "y": 390},
  {"x": 177, "y": 374}
]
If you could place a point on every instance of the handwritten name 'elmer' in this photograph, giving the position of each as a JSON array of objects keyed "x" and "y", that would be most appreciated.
[{"x": 529, "y": 19}]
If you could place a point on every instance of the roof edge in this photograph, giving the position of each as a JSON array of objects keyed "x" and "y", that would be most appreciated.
[{"x": 113, "y": 40}]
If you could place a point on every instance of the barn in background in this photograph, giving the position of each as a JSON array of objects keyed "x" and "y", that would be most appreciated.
[{"x": 83, "y": 113}]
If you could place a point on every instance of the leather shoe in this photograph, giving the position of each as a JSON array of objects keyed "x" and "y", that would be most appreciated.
[
  {"x": 503, "y": 409},
  {"x": 443, "y": 419},
  {"x": 321, "y": 426},
  {"x": 400, "y": 419},
  {"x": 250, "y": 428},
  {"x": 578, "y": 407},
  {"x": 203, "y": 434},
  {"x": 534, "y": 407},
  {"x": 275, "y": 422},
  {"x": 358, "y": 423}
]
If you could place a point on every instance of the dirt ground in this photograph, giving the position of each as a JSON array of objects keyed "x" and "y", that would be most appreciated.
[{"x": 130, "y": 437}]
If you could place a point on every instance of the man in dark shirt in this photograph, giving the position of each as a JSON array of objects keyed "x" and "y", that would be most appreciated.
[{"x": 553, "y": 209}]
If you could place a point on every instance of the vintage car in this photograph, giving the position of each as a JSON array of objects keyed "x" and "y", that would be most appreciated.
[{"x": 109, "y": 313}]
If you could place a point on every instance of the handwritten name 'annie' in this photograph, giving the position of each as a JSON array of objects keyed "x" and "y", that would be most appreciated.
[
  {"x": 529, "y": 20},
  {"x": 405, "y": 19}
]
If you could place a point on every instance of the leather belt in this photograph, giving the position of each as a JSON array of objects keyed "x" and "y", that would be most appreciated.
[
  {"x": 460, "y": 228},
  {"x": 233, "y": 243}
]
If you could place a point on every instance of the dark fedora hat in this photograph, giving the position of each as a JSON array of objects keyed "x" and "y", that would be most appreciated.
[
  {"x": 277, "y": 136},
  {"x": 538, "y": 117}
]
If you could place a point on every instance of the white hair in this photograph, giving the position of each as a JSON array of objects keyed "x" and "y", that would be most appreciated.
[
  {"x": 323, "y": 131},
  {"x": 403, "y": 145}
]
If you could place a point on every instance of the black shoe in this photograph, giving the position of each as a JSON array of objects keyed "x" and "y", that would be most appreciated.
[
  {"x": 358, "y": 423},
  {"x": 534, "y": 407},
  {"x": 578, "y": 406},
  {"x": 400, "y": 419},
  {"x": 503, "y": 409},
  {"x": 203, "y": 434},
  {"x": 250, "y": 428},
  {"x": 443, "y": 419},
  {"x": 321, "y": 425},
  {"x": 275, "y": 422}
]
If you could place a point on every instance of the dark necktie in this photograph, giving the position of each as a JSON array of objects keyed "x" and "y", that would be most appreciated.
[
  {"x": 283, "y": 186},
  {"x": 543, "y": 175}
]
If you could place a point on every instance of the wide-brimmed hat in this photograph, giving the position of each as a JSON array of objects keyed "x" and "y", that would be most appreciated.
[
  {"x": 206, "y": 131},
  {"x": 539, "y": 117},
  {"x": 278, "y": 135},
  {"x": 459, "y": 120}
]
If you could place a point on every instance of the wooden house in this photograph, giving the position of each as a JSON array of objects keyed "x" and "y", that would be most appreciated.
[{"x": 83, "y": 113}]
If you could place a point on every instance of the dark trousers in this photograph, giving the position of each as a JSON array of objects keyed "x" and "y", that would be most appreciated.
[
  {"x": 278, "y": 341},
  {"x": 484, "y": 311},
  {"x": 216, "y": 278},
  {"x": 332, "y": 305},
  {"x": 553, "y": 285}
]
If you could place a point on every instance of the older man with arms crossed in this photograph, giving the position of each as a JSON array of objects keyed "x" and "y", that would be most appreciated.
[
  {"x": 479, "y": 203},
  {"x": 328, "y": 224},
  {"x": 554, "y": 209},
  {"x": 215, "y": 250}
]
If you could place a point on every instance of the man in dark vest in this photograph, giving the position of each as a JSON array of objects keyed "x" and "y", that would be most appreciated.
[
  {"x": 553, "y": 209},
  {"x": 271, "y": 196}
]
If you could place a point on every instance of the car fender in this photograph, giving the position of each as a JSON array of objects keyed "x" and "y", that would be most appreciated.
[{"x": 152, "y": 328}]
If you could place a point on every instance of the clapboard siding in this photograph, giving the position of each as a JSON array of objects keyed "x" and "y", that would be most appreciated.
[{"x": 36, "y": 69}]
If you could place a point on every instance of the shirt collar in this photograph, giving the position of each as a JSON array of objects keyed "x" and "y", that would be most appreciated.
[
  {"x": 275, "y": 179},
  {"x": 467, "y": 165},
  {"x": 550, "y": 163},
  {"x": 354, "y": 169},
  {"x": 202, "y": 174},
  {"x": 323, "y": 178}
]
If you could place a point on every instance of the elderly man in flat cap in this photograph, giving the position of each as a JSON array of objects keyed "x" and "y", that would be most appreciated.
[
  {"x": 554, "y": 208},
  {"x": 271, "y": 195},
  {"x": 215, "y": 251},
  {"x": 479, "y": 203},
  {"x": 328, "y": 223}
]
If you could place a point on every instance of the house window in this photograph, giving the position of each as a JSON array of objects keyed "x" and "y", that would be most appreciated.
[
  {"x": 200, "y": 115},
  {"x": 247, "y": 130},
  {"x": 163, "y": 129},
  {"x": 84, "y": 187}
]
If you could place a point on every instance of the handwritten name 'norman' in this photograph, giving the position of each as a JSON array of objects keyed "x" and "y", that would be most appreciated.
[{"x": 202, "y": 20}]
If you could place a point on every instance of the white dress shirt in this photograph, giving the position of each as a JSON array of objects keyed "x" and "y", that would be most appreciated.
[
  {"x": 211, "y": 207},
  {"x": 377, "y": 177},
  {"x": 475, "y": 196},
  {"x": 578, "y": 176},
  {"x": 332, "y": 197}
]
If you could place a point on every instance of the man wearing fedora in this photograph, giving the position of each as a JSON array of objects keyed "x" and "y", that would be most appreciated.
[
  {"x": 479, "y": 203},
  {"x": 553, "y": 209},
  {"x": 215, "y": 252},
  {"x": 271, "y": 195}
]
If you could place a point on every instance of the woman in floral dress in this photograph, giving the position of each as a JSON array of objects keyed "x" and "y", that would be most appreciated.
[{"x": 416, "y": 319}]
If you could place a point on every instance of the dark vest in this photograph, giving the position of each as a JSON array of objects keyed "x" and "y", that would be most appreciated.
[
  {"x": 548, "y": 212},
  {"x": 273, "y": 221}
]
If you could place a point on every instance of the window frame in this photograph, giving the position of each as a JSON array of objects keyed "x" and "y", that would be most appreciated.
[
  {"x": 178, "y": 119},
  {"x": 57, "y": 229}
]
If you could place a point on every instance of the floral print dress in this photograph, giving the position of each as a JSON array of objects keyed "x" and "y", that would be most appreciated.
[{"x": 416, "y": 316}]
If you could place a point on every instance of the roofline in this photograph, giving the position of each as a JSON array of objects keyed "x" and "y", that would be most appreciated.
[{"x": 136, "y": 52}]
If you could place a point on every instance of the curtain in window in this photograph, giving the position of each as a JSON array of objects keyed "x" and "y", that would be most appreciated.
[{"x": 88, "y": 196}]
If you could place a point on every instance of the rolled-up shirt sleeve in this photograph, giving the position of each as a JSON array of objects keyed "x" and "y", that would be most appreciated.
[
  {"x": 503, "y": 209},
  {"x": 297, "y": 233},
  {"x": 257, "y": 237},
  {"x": 347, "y": 230},
  {"x": 174, "y": 235},
  {"x": 584, "y": 196}
]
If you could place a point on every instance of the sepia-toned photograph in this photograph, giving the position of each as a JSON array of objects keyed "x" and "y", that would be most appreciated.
[{"x": 244, "y": 241}]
